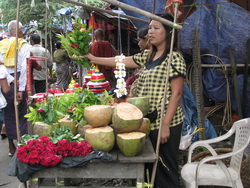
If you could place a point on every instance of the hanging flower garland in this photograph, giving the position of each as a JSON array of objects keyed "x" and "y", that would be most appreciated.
[{"x": 120, "y": 74}]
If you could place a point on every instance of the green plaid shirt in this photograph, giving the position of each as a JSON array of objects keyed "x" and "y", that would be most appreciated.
[{"x": 151, "y": 83}]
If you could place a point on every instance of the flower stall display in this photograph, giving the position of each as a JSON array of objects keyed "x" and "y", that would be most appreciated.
[
  {"x": 49, "y": 151},
  {"x": 67, "y": 109},
  {"x": 77, "y": 42}
]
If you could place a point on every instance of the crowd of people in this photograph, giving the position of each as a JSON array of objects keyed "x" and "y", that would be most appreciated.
[{"x": 151, "y": 65}]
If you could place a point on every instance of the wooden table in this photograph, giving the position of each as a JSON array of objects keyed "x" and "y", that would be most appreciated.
[{"x": 123, "y": 168}]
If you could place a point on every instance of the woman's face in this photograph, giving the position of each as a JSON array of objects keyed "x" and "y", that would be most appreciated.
[
  {"x": 142, "y": 43},
  {"x": 156, "y": 33}
]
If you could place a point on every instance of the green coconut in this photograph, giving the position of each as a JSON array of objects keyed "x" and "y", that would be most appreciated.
[
  {"x": 131, "y": 144},
  {"x": 100, "y": 138},
  {"x": 69, "y": 123},
  {"x": 140, "y": 102},
  {"x": 81, "y": 129},
  {"x": 98, "y": 115},
  {"x": 43, "y": 129},
  {"x": 126, "y": 118},
  {"x": 145, "y": 126}
]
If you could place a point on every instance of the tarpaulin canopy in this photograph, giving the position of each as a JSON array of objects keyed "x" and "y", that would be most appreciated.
[
  {"x": 146, "y": 5},
  {"x": 222, "y": 26}
]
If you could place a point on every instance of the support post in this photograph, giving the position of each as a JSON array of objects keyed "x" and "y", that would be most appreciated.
[{"x": 198, "y": 87}]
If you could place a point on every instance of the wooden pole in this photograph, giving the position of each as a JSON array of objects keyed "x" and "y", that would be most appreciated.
[
  {"x": 91, "y": 8},
  {"x": 144, "y": 13},
  {"x": 15, "y": 81},
  {"x": 235, "y": 84},
  {"x": 198, "y": 87},
  {"x": 46, "y": 43},
  {"x": 164, "y": 100},
  {"x": 15, "y": 74}
]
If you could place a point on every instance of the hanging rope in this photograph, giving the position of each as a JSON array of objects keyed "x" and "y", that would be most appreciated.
[
  {"x": 164, "y": 97},
  {"x": 119, "y": 35}
]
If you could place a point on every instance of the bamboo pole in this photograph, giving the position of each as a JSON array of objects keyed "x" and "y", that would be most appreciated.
[
  {"x": 144, "y": 13},
  {"x": 15, "y": 74},
  {"x": 91, "y": 8},
  {"x": 15, "y": 81},
  {"x": 164, "y": 100},
  {"x": 46, "y": 43}
]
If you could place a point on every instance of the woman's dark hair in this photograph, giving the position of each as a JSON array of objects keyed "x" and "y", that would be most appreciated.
[
  {"x": 142, "y": 32},
  {"x": 58, "y": 45},
  {"x": 168, "y": 39}
]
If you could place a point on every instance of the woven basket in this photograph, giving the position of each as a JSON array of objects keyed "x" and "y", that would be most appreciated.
[{"x": 244, "y": 173}]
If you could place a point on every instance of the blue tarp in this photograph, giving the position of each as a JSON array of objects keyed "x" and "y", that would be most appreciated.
[
  {"x": 191, "y": 117},
  {"x": 222, "y": 26},
  {"x": 144, "y": 5}
]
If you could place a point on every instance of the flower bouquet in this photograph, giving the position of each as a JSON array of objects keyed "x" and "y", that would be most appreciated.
[{"x": 77, "y": 42}]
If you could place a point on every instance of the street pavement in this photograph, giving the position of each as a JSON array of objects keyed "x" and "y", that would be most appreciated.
[{"x": 5, "y": 180}]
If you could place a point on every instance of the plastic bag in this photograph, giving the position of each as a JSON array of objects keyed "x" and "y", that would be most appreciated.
[{"x": 186, "y": 140}]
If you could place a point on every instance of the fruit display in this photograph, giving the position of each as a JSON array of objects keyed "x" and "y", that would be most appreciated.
[
  {"x": 100, "y": 138},
  {"x": 98, "y": 115},
  {"x": 126, "y": 118},
  {"x": 140, "y": 102},
  {"x": 131, "y": 144}
]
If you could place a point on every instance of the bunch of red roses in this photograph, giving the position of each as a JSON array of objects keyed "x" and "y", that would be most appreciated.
[{"x": 46, "y": 153}]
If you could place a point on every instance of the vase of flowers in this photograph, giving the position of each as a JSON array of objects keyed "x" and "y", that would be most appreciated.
[{"x": 77, "y": 42}]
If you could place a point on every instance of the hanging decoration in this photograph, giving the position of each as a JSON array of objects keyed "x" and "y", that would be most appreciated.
[
  {"x": 120, "y": 74},
  {"x": 32, "y": 4}
]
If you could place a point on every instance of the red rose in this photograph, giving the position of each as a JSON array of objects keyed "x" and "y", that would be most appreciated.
[
  {"x": 74, "y": 46},
  {"x": 40, "y": 110}
]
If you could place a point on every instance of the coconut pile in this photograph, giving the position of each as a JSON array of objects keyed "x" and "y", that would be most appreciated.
[{"x": 122, "y": 125}]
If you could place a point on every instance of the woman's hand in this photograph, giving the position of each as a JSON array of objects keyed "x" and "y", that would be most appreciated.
[{"x": 165, "y": 134}]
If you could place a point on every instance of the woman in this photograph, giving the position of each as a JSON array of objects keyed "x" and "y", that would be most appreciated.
[
  {"x": 131, "y": 82},
  {"x": 61, "y": 58},
  {"x": 142, "y": 38},
  {"x": 151, "y": 83}
]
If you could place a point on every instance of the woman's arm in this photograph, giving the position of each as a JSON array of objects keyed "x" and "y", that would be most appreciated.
[
  {"x": 4, "y": 84},
  {"x": 110, "y": 61},
  {"x": 177, "y": 88}
]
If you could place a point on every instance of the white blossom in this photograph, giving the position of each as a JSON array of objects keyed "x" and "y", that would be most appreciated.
[{"x": 120, "y": 74}]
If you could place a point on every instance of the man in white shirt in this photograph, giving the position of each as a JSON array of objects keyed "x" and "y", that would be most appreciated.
[
  {"x": 40, "y": 75},
  {"x": 7, "y": 56}
]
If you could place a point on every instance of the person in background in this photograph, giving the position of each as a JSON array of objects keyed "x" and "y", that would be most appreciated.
[
  {"x": 39, "y": 51},
  {"x": 143, "y": 44},
  {"x": 102, "y": 48},
  {"x": 62, "y": 59},
  {"x": 7, "y": 56},
  {"x": 5, "y": 79},
  {"x": 142, "y": 38},
  {"x": 151, "y": 84}
]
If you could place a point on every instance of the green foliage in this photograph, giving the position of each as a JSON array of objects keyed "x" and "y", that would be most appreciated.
[
  {"x": 77, "y": 42},
  {"x": 62, "y": 133},
  {"x": 47, "y": 111},
  {"x": 59, "y": 133},
  {"x": 28, "y": 13},
  {"x": 25, "y": 138},
  {"x": 70, "y": 104}
]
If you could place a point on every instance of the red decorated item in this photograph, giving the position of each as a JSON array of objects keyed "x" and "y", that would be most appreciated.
[{"x": 98, "y": 83}]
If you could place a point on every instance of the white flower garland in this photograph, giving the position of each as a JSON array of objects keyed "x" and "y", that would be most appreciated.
[{"x": 120, "y": 74}]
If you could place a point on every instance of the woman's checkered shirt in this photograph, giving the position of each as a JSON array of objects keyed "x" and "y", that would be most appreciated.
[{"x": 151, "y": 84}]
